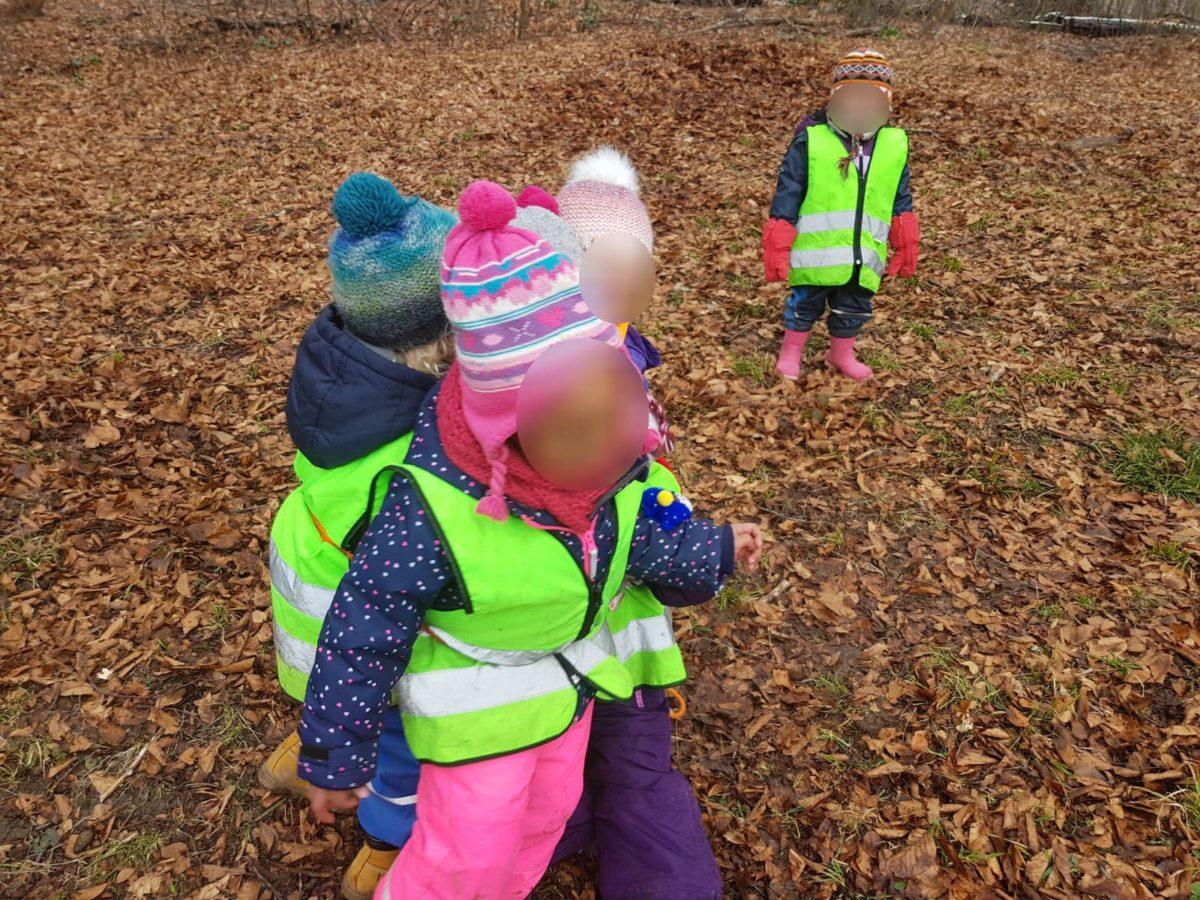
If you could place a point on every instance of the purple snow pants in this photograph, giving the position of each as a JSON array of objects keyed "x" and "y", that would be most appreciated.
[{"x": 638, "y": 811}]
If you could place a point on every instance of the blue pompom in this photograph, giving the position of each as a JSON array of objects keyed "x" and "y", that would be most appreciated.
[
  {"x": 666, "y": 508},
  {"x": 367, "y": 205}
]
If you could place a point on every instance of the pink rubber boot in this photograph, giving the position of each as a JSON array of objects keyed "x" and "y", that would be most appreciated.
[
  {"x": 788, "y": 365},
  {"x": 841, "y": 357}
]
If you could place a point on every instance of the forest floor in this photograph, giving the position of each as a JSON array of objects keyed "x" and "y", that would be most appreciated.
[{"x": 970, "y": 665}]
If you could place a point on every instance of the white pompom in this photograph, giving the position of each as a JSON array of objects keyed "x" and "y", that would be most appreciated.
[{"x": 607, "y": 165}]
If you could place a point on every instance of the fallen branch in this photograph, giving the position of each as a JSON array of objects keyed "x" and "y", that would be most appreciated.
[
  {"x": 776, "y": 591},
  {"x": 108, "y": 791},
  {"x": 1090, "y": 143},
  {"x": 743, "y": 22},
  {"x": 254, "y": 26}
]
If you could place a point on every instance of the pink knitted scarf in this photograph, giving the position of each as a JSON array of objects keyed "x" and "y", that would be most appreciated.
[{"x": 573, "y": 509}]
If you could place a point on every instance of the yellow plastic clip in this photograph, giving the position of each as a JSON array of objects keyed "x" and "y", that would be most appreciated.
[{"x": 678, "y": 704}]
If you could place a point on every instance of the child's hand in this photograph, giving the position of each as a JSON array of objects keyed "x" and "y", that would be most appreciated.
[
  {"x": 324, "y": 804},
  {"x": 747, "y": 545}
]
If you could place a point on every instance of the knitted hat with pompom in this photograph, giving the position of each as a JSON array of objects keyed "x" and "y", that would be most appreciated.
[
  {"x": 601, "y": 197},
  {"x": 384, "y": 260},
  {"x": 538, "y": 212},
  {"x": 509, "y": 296}
]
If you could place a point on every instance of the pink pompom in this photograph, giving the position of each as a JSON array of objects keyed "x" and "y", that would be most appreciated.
[
  {"x": 537, "y": 196},
  {"x": 494, "y": 507},
  {"x": 486, "y": 206}
]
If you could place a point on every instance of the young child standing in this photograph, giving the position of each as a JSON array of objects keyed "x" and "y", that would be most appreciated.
[
  {"x": 362, "y": 371},
  {"x": 488, "y": 587},
  {"x": 842, "y": 198}
]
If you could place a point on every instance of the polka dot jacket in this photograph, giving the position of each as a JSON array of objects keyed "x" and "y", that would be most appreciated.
[{"x": 400, "y": 570}]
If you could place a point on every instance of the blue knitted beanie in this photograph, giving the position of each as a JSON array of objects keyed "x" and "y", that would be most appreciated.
[{"x": 385, "y": 258}]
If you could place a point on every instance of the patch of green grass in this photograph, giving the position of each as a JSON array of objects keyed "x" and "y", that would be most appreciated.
[
  {"x": 1187, "y": 801},
  {"x": 1088, "y": 602},
  {"x": 1163, "y": 461},
  {"x": 1172, "y": 552},
  {"x": 708, "y": 223},
  {"x": 1054, "y": 376},
  {"x": 231, "y": 728},
  {"x": 1050, "y": 611},
  {"x": 881, "y": 361},
  {"x": 962, "y": 404},
  {"x": 960, "y": 685},
  {"x": 76, "y": 65},
  {"x": 1121, "y": 665},
  {"x": 755, "y": 366},
  {"x": 981, "y": 224},
  {"x": 922, "y": 330},
  {"x": 834, "y": 539},
  {"x": 729, "y": 803},
  {"x": 213, "y": 341},
  {"x": 12, "y": 705},
  {"x": 27, "y": 555},
  {"x": 834, "y": 686},
  {"x": 135, "y": 852},
  {"x": 728, "y": 596},
  {"x": 834, "y": 873},
  {"x": 590, "y": 16},
  {"x": 219, "y": 616},
  {"x": 743, "y": 282},
  {"x": 1142, "y": 600},
  {"x": 28, "y": 755},
  {"x": 747, "y": 311},
  {"x": 952, "y": 264},
  {"x": 873, "y": 417}
]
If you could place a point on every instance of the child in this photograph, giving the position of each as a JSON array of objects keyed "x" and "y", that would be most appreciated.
[
  {"x": 498, "y": 620},
  {"x": 637, "y": 810},
  {"x": 362, "y": 371},
  {"x": 843, "y": 196}
]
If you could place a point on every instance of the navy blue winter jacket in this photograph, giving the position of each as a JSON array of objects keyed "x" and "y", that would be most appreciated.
[
  {"x": 793, "y": 175},
  {"x": 346, "y": 400},
  {"x": 400, "y": 570}
]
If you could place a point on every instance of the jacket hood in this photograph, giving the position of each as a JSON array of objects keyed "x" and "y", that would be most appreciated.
[{"x": 345, "y": 399}]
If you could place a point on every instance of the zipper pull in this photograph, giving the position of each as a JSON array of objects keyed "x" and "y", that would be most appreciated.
[{"x": 591, "y": 555}]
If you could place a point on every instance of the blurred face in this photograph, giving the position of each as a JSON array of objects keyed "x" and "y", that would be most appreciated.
[
  {"x": 616, "y": 278},
  {"x": 581, "y": 415},
  {"x": 859, "y": 108}
]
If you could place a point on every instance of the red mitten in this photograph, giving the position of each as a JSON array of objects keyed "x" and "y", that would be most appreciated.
[
  {"x": 904, "y": 238},
  {"x": 778, "y": 237}
]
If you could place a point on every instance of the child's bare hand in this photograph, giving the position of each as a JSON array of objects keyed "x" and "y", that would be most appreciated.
[
  {"x": 323, "y": 804},
  {"x": 747, "y": 545}
]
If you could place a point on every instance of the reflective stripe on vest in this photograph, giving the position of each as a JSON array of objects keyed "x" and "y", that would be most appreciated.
[
  {"x": 306, "y": 557},
  {"x": 644, "y": 636},
  {"x": 831, "y": 221},
  {"x": 835, "y": 256},
  {"x": 293, "y": 652},
  {"x": 450, "y": 692},
  {"x": 844, "y": 219},
  {"x": 309, "y": 599}
]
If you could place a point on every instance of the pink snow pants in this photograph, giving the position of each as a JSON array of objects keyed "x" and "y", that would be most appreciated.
[{"x": 486, "y": 830}]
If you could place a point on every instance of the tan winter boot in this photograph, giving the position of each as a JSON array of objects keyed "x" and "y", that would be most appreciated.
[
  {"x": 365, "y": 872},
  {"x": 278, "y": 772}
]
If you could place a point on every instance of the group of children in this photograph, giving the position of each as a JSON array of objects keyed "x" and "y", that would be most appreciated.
[{"x": 476, "y": 621}]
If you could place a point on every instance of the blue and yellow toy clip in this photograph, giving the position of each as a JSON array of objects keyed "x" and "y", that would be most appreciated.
[{"x": 668, "y": 509}]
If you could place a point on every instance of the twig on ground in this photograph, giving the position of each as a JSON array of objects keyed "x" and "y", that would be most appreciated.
[{"x": 1091, "y": 143}]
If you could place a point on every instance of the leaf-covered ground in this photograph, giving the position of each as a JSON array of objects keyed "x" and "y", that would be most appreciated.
[{"x": 970, "y": 666}]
